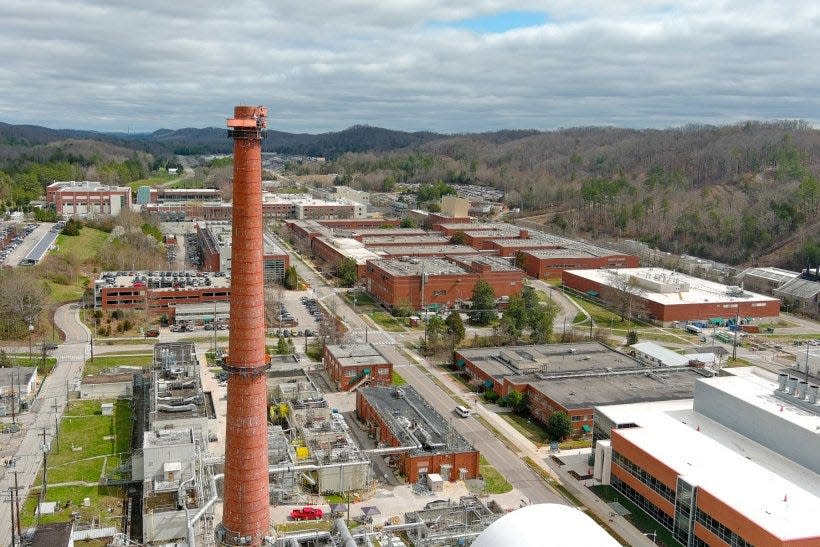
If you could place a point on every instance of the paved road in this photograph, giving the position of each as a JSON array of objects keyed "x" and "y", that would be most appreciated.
[
  {"x": 507, "y": 463},
  {"x": 501, "y": 457},
  {"x": 46, "y": 411}
]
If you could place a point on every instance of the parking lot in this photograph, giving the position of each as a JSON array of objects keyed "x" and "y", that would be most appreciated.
[
  {"x": 15, "y": 250},
  {"x": 298, "y": 313}
]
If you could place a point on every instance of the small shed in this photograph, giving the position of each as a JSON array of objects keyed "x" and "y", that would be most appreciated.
[
  {"x": 108, "y": 409},
  {"x": 435, "y": 482}
]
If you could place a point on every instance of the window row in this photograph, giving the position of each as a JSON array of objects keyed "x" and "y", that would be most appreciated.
[
  {"x": 720, "y": 530},
  {"x": 647, "y": 479},
  {"x": 646, "y": 506}
]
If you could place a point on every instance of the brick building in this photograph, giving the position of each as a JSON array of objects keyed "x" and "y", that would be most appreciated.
[
  {"x": 400, "y": 417},
  {"x": 158, "y": 292},
  {"x": 420, "y": 282},
  {"x": 544, "y": 263},
  {"x": 573, "y": 378},
  {"x": 351, "y": 366},
  {"x": 663, "y": 296},
  {"x": 87, "y": 199},
  {"x": 734, "y": 466},
  {"x": 215, "y": 239}
]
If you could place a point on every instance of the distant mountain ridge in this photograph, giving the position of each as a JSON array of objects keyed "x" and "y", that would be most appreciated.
[{"x": 213, "y": 140}]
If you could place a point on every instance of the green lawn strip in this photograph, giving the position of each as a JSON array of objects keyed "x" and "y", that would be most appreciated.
[
  {"x": 314, "y": 352},
  {"x": 36, "y": 361},
  {"x": 602, "y": 316},
  {"x": 494, "y": 482},
  {"x": 85, "y": 246},
  {"x": 387, "y": 321},
  {"x": 556, "y": 486},
  {"x": 637, "y": 516},
  {"x": 498, "y": 435},
  {"x": 106, "y": 503},
  {"x": 104, "y": 362},
  {"x": 60, "y": 294},
  {"x": 86, "y": 438},
  {"x": 303, "y": 526},
  {"x": 396, "y": 379},
  {"x": 527, "y": 426}
]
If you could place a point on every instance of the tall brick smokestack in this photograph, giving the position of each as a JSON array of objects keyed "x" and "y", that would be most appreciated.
[{"x": 246, "y": 513}]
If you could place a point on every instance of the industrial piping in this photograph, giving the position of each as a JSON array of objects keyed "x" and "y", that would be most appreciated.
[{"x": 246, "y": 511}]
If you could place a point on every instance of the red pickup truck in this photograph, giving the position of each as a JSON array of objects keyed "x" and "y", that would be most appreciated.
[{"x": 306, "y": 513}]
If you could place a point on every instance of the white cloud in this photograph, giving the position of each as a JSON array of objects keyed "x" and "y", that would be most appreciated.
[{"x": 114, "y": 65}]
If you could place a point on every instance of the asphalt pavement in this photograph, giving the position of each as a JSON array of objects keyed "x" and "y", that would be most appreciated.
[{"x": 46, "y": 412}]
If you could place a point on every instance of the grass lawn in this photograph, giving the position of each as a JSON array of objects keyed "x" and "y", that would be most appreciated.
[
  {"x": 87, "y": 439},
  {"x": 387, "y": 321},
  {"x": 36, "y": 361},
  {"x": 579, "y": 318},
  {"x": 85, "y": 246},
  {"x": 106, "y": 503},
  {"x": 364, "y": 302},
  {"x": 527, "y": 426},
  {"x": 570, "y": 444},
  {"x": 96, "y": 436},
  {"x": 494, "y": 482},
  {"x": 314, "y": 352},
  {"x": 396, "y": 379},
  {"x": 641, "y": 520},
  {"x": 602, "y": 316},
  {"x": 104, "y": 362},
  {"x": 60, "y": 294}
]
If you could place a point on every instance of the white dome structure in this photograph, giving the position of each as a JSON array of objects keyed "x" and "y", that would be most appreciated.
[{"x": 545, "y": 524}]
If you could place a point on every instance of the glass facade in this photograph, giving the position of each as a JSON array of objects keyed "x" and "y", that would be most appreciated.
[
  {"x": 647, "y": 506},
  {"x": 684, "y": 511},
  {"x": 685, "y": 501},
  {"x": 647, "y": 479},
  {"x": 720, "y": 530}
]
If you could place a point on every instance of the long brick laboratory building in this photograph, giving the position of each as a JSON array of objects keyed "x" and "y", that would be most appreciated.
[
  {"x": 663, "y": 296},
  {"x": 420, "y": 282}
]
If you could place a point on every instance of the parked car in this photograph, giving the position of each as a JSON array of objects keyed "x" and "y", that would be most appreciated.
[
  {"x": 152, "y": 333},
  {"x": 307, "y": 513}
]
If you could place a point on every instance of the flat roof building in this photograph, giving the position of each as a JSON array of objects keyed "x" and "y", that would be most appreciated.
[
  {"x": 719, "y": 469},
  {"x": 401, "y": 418},
  {"x": 86, "y": 199},
  {"x": 159, "y": 292},
  {"x": 215, "y": 240},
  {"x": 351, "y": 366},
  {"x": 663, "y": 296},
  {"x": 573, "y": 378},
  {"x": 421, "y": 282}
]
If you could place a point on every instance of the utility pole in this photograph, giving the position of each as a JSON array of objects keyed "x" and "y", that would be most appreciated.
[
  {"x": 11, "y": 503},
  {"x": 17, "y": 501},
  {"x": 56, "y": 424},
  {"x": 92, "y": 340},
  {"x": 45, "y": 470},
  {"x": 13, "y": 397}
]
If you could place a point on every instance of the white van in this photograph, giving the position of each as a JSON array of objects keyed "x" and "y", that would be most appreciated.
[{"x": 463, "y": 412}]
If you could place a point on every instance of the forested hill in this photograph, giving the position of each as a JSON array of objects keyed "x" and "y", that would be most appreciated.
[
  {"x": 744, "y": 194},
  {"x": 734, "y": 193},
  {"x": 214, "y": 140}
]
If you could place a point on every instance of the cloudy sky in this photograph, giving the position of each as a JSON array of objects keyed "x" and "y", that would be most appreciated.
[{"x": 408, "y": 64}]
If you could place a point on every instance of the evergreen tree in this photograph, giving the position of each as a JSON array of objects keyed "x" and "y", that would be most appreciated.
[{"x": 483, "y": 308}]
